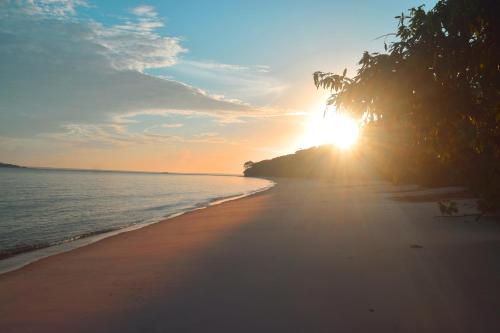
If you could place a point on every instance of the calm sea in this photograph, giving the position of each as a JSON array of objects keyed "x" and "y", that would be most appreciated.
[{"x": 43, "y": 212}]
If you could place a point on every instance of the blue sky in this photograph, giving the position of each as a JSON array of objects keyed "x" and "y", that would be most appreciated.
[{"x": 172, "y": 85}]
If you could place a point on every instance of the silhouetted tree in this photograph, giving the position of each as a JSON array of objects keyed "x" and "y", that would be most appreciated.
[
  {"x": 248, "y": 164},
  {"x": 432, "y": 100}
]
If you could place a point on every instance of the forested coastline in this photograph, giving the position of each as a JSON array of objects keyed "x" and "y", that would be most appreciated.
[{"x": 430, "y": 104}]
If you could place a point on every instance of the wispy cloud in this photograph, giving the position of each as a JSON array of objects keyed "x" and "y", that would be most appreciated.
[
  {"x": 207, "y": 135},
  {"x": 211, "y": 65},
  {"x": 48, "y": 7},
  {"x": 241, "y": 82},
  {"x": 110, "y": 136},
  {"x": 172, "y": 125},
  {"x": 135, "y": 45},
  {"x": 145, "y": 19},
  {"x": 144, "y": 11}
]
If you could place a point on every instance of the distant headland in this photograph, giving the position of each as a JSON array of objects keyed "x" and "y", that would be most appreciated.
[
  {"x": 316, "y": 162},
  {"x": 7, "y": 165}
]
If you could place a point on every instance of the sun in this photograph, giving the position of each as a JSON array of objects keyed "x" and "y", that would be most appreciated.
[
  {"x": 337, "y": 129},
  {"x": 343, "y": 131}
]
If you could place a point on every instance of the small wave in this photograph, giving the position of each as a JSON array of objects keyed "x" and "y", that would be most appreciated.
[
  {"x": 161, "y": 207},
  {"x": 7, "y": 253}
]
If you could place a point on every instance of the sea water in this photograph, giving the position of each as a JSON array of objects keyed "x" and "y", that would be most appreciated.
[{"x": 47, "y": 211}]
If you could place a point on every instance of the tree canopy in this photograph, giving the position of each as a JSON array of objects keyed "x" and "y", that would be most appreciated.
[{"x": 432, "y": 99}]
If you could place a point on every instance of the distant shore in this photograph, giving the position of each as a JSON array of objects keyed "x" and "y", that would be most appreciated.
[
  {"x": 7, "y": 165},
  {"x": 306, "y": 256}
]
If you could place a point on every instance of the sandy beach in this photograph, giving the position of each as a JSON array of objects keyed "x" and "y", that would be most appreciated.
[{"x": 305, "y": 256}]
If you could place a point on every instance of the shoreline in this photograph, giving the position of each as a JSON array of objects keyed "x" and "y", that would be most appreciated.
[
  {"x": 304, "y": 255},
  {"x": 22, "y": 259}
]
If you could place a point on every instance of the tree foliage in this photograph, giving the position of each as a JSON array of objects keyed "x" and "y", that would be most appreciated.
[
  {"x": 432, "y": 100},
  {"x": 248, "y": 164}
]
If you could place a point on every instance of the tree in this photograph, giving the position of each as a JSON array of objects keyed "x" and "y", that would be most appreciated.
[
  {"x": 433, "y": 98},
  {"x": 248, "y": 164}
]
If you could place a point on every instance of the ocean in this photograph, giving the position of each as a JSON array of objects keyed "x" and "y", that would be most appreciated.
[{"x": 48, "y": 211}]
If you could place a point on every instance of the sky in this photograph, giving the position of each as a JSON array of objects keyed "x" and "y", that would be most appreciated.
[{"x": 179, "y": 86}]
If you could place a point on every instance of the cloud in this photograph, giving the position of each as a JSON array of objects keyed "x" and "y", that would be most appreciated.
[
  {"x": 253, "y": 82},
  {"x": 146, "y": 20},
  {"x": 145, "y": 11},
  {"x": 211, "y": 65},
  {"x": 111, "y": 136},
  {"x": 48, "y": 7},
  {"x": 72, "y": 82},
  {"x": 206, "y": 135},
  {"x": 172, "y": 125},
  {"x": 60, "y": 71},
  {"x": 135, "y": 46}
]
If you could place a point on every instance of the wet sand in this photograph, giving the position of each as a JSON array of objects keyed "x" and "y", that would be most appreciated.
[{"x": 305, "y": 256}]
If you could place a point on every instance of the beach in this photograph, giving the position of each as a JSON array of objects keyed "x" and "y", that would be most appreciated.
[{"x": 304, "y": 256}]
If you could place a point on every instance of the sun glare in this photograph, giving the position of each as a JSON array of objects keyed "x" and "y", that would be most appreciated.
[
  {"x": 334, "y": 128},
  {"x": 344, "y": 131}
]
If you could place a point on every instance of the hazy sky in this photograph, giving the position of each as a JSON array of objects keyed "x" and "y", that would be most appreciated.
[{"x": 190, "y": 86}]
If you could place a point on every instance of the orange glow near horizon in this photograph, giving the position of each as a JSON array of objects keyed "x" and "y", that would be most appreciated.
[{"x": 337, "y": 129}]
